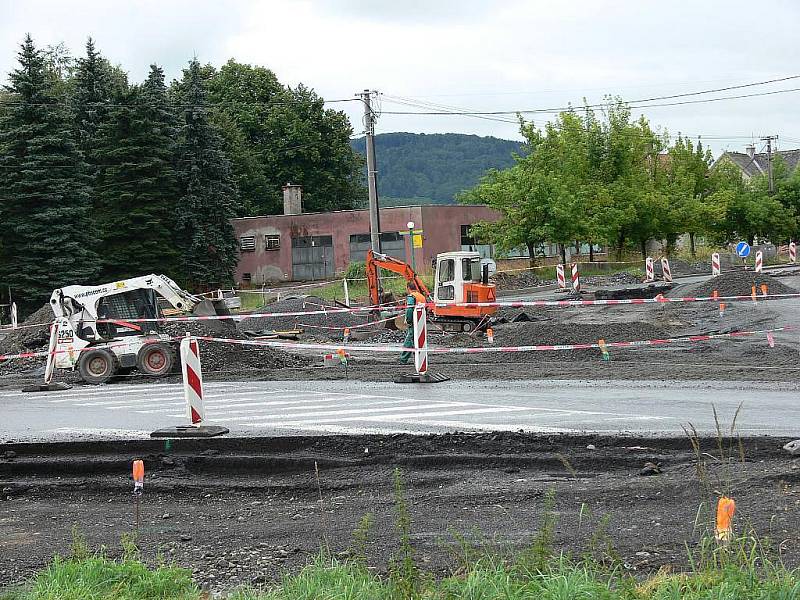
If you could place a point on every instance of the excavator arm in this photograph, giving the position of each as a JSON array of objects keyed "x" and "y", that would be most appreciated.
[{"x": 377, "y": 261}]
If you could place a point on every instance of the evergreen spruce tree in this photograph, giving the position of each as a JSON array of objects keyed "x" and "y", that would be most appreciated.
[
  {"x": 208, "y": 198},
  {"x": 47, "y": 237},
  {"x": 137, "y": 187},
  {"x": 93, "y": 90}
]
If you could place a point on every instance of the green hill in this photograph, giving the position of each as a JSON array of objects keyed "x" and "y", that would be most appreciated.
[{"x": 419, "y": 168}]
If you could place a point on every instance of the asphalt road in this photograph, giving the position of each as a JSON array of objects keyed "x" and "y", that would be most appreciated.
[{"x": 285, "y": 408}]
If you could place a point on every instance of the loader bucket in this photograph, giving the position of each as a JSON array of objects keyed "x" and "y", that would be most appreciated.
[
  {"x": 205, "y": 308},
  {"x": 208, "y": 308}
]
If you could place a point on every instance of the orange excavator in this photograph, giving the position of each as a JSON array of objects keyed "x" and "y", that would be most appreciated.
[{"x": 459, "y": 278}]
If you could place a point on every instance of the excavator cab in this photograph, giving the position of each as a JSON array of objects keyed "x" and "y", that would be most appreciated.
[{"x": 460, "y": 278}]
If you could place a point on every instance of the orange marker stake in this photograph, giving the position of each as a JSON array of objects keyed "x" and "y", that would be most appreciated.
[
  {"x": 138, "y": 486},
  {"x": 726, "y": 508},
  {"x": 346, "y": 334},
  {"x": 764, "y": 289},
  {"x": 490, "y": 335},
  {"x": 753, "y": 293}
]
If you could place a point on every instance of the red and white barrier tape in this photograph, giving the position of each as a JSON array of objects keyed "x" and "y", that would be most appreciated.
[
  {"x": 444, "y": 350},
  {"x": 369, "y": 324},
  {"x": 656, "y": 300},
  {"x": 479, "y": 350}
]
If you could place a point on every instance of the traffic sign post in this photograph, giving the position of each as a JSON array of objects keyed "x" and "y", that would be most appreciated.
[{"x": 743, "y": 251}]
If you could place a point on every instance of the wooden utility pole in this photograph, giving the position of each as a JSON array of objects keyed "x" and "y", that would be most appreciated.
[
  {"x": 372, "y": 172},
  {"x": 769, "y": 139}
]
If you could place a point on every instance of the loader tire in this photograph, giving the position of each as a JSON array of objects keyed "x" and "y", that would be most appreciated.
[
  {"x": 97, "y": 365},
  {"x": 156, "y": 360}
]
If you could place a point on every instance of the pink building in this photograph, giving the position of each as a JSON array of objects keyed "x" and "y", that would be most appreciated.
[{"x": 297, "y": 247}]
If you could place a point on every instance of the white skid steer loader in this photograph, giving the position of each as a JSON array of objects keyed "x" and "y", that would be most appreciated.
[{"x": 99, "y": 351}]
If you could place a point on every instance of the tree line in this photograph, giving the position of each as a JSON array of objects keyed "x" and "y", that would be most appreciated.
[
  {"x": 616, "y": 181},
  {"x": 103, "y": 179}
]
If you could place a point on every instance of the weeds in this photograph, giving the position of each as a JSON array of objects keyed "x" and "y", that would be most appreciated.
[
  {"x": 403, "y": 570},
  {"x": 361, "y": 536}
]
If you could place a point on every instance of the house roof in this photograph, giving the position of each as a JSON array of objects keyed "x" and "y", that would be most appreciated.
[{"x": 757, "y": 164}]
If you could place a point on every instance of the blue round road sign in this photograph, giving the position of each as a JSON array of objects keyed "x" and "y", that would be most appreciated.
[{"x": 743, "y": 249}]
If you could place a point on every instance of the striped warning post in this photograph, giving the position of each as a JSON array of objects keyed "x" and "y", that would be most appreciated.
[
  {"x": 576, "y": 279},
  {"x": 792, "y": 252},
  {"x": 667, "y": 274},
  {"x": 715, "y": 266},
  {"x": 649, "y": 270},
  {"x": 562, "y": 281},
  {"x": 14, "y": 322},
  {"x": 420, "y": 340},
  {"x": 759, "y": 261},
  {"x": 51, "y": 354},
  {"x": 192, "y": 380}
]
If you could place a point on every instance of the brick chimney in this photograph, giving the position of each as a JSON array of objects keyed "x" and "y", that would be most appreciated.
[{"x": 292, "y": 199}]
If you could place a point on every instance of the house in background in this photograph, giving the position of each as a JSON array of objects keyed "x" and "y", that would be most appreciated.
[
  {"x": 752, "y": 163},
  {"x": 298, "y": 246}
]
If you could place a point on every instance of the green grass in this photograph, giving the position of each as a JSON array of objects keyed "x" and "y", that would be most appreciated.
[{"x": 98, "y": 578}]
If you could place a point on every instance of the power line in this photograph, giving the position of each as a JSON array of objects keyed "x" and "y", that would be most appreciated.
[
  {"x": 449, "y": 108},
  {"x": 632, "y": 103}
]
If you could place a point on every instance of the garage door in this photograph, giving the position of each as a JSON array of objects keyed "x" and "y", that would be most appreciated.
[{"x": 312, "y": 257}]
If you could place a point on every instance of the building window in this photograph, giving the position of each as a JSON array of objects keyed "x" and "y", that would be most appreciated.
[
  {"x": 392, "y": 243},
  {"x": 466, "y": 238},
  {"x": 247, "y": 277},
  {"x": 272, "y": 242},
  {"x": 247, "y": 243}
]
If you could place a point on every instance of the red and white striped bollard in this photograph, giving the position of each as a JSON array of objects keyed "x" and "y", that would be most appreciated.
[
  {"x": 562, "y": 281},
  {"x": 792, "y": 252},
  {"x": 420, "y": 339},
  {"x": 14, "y": 321},
  {"x": 192, "y": 380},
  {"x": 650, "y": 274},
  {"x": 576, "y": 280},
  {"x": 759, "y": 261},
  {"x": 667, "y": 274},
  {"x": 715, "y": 267}
]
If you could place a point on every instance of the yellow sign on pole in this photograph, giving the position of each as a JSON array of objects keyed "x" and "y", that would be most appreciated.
[{"x": 417, "y": 239}]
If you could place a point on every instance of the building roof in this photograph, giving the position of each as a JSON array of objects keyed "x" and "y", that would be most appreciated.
[
  {"x": 355, "y": 210},
  {"x": 757, "y": 164}
]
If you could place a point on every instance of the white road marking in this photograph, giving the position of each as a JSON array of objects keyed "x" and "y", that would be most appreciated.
[
  {"x": 305, "y": 412},
  {"x": 410, "y": 417},
  {"x": 235, "y": 410}
]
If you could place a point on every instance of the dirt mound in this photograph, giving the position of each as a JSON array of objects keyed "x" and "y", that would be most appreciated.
[
  {"x": 734, "y": 283},
  {"x": 325, "y": 325},
  {"x": 533, "y": 333},
  {"x": 29, "y": 338}
]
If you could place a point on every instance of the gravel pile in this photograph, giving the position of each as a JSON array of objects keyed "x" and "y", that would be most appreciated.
[
  {"x": 315, "y": 325},
  {"x": 735, "y": 283},
  {"x": 33, "y": 338},
  {"x": 533, "y": 333}
]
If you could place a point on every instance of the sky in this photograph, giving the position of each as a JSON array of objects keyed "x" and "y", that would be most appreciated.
[{"x": 469, "y": 55}]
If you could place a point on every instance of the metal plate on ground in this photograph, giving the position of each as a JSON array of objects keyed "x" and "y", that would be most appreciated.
[
  {"x": 426, "y": 378},
  {"x": 47, "y": 387},
  {"x": 189, "y": 431}
]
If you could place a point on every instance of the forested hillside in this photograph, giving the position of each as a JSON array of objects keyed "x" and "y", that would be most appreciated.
[{"x": 435, "y": 167}]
